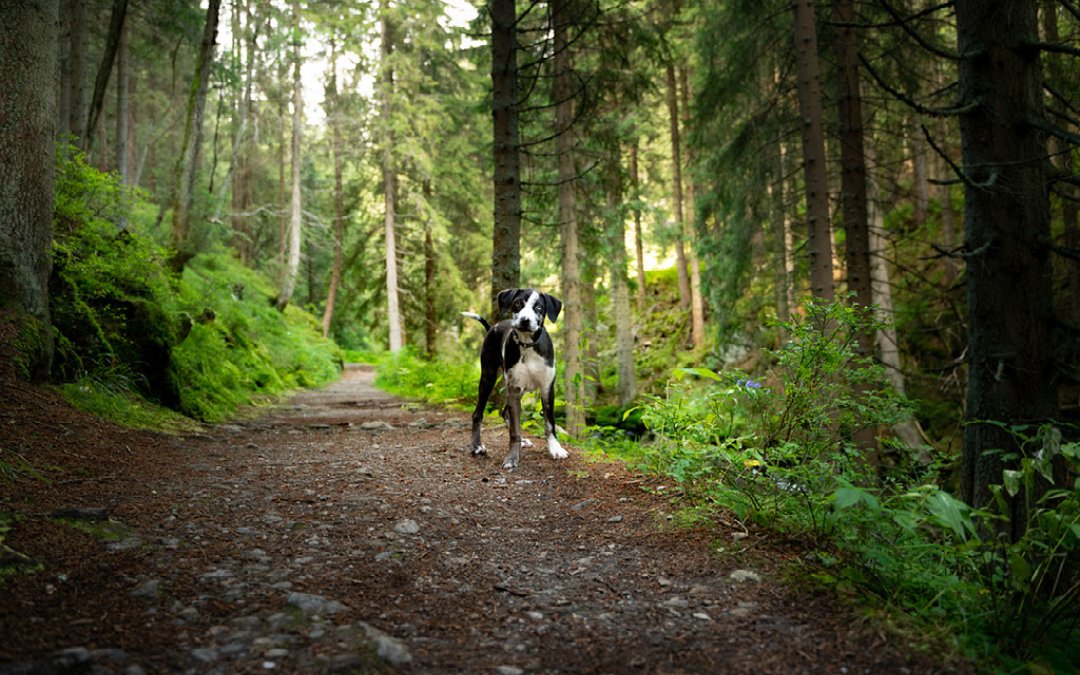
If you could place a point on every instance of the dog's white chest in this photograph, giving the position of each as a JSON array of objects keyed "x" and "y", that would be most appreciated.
[{"x": 530, "y": 372}]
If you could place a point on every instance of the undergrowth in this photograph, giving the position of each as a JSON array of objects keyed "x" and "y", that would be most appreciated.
[{"x": 138, "y": 343}]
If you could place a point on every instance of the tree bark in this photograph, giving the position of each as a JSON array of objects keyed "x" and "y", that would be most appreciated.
[
  {"x": 506, "y": 234},
  {"x": 123, "y": 96},
  {"x": 1011, "y": 370},
  {"x": 101, "y": 83},
  {"x": 188, "y": 165},
  {"x": 393, "y": 311},
  {"x": 333, "y": 99},
  {"x": 561, "y": 17},
  {"x": 292, "y": 265},
  {"x": 808, "y": 89},
  {"x": 28, "y": 50},
  {"x": 781, "y": 233},
  {"x": 78, "y": 98},
  {"x": 620, "y": 293},
  {"x": 639, "y": 248},
  {"x": 697, "y": 301},
  {"x": 677, "y": 189}
]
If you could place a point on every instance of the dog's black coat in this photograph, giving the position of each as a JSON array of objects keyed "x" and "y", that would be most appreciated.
[{"x": 521, "y": 349}]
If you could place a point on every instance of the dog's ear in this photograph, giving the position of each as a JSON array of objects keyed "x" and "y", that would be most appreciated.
[
  {"x": 506, "y": 298},
  {"x": 552, "y": 306}
]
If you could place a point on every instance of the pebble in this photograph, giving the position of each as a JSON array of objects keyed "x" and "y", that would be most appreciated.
[
  {"x": 741, "y": 576},
  {"x": 407, "y": 526},
  {"x": 311, "y": 604}
]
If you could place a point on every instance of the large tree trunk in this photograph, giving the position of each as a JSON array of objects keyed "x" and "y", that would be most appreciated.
[
  {"x": 677, "y": 189},
  {"x": 188, "y": 165},
  {"x": 639, "y": 248},
  {"x": 808, "y": 88},
  {"x": 101, "y": 83},
  {"x": 1011, "y": 373},
  {"x": 561, "y": 17},
  {"x": 334, "y": 120},
  {"x": 292, "y": 264},
  {"x": 620, "y": 293},
  {"x": 28, "y": 50},
  {"x": 393, "y": 311},
  {"x": 506, "y": 234}
]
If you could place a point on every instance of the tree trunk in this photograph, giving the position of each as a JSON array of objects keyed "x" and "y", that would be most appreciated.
[
  {"x": 393, "y": 311},
  {"x": 1011, "y": 350},
  {"x": 506, "y": 234},
  {"x": 188, "y": 165},
  {"x": 101, "y": 83},
  {"x": 571, "y": 272},
  {"x": 292, "y": 265},
  {"x": 333, "y": 99},
  {"x": 620, "y": 293},
  {"x": 781, "y": 232},
  {"x": 28, "y": 50},
  {"x": 677, "y": 189},
  {"x": 78, "y": 54},
  {"x": 808, "y": 88},
  {"x": 639, "y": 248},
  {"x": 697, "y": 301},
  {"x": 241, "y": 113},
  {"x": 122, "y": 115}
]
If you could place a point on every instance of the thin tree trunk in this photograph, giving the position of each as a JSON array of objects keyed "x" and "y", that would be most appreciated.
[
  {"x": 506, "y": 234},
  {"x": 241, "y": 113},
  {"x": 677, "y": 189},
  {"x": 639, "y": 248},
  {"x": 620, "y": 294},
  {"x": 188, "y": 165},
  {"x": 430, "y": 322},
  {"x": 122, "y": 116},
  {"x": 334, "y": 120},
  {"x": 571, "y": 271},
  {"x": 101, "y": 83},
  {"x": 393, "y": 311},
  {"x": 781, "y": 232},
  {"x": 79, "y": 98},
  {"x": 808, "y": 89},
  {"x": 64, "y": 84},
  {"x": 697, "y": 301},
  {"x": 292, "y": 266},
  {"x": 28, "y": 50}
]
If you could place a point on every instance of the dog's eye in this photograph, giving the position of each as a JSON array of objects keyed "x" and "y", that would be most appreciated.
[{"x": 518, "y": 305}]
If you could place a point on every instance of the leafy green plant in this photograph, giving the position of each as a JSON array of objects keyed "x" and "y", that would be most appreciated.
[{"x": 448, "y": 381}]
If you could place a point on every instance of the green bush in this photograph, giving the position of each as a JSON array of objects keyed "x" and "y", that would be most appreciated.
[{"x": 446, "y": 381}]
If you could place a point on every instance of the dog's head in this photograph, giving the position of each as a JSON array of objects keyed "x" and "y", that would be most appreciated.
[{"x": 528, "y": 307}]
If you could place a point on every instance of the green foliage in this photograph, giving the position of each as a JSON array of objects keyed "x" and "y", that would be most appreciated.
[
  {"x": 133, "y": 337},
  {"x": 448, "y": 381},
  {"x": 1003, "y": 581}
]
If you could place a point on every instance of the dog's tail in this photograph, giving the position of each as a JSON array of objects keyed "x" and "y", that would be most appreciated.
[{"x": 482, "y": 320}]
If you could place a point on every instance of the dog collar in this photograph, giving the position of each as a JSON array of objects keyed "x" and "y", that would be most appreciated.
[{"x": 523, "y": 345}]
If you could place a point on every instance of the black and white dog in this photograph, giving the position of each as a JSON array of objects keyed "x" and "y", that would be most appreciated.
[{"x": 522, "y": 350}]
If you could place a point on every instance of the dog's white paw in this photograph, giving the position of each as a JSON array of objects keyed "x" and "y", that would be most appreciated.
[
  {"x": 510, "y": 463},
  {"x": 479, "y": 450},
  {"x": 526, "y": 443},
  {"x": 556, "y": 449}
]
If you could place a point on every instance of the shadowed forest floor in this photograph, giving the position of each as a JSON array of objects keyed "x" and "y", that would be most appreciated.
[{"x": 351, "y": 531}]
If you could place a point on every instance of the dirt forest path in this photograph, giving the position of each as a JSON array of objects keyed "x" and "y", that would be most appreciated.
[{"x": 350, "y": 531}]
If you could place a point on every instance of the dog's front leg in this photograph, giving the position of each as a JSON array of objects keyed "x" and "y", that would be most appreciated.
[
  {"x": 547, "y": 401},
  {"x": 513, "y": 422}
]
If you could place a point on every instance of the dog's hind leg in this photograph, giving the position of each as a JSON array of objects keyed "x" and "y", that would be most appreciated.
[
  {"x": 487, "y": 383},
  {"x": 547, "y": 401}
]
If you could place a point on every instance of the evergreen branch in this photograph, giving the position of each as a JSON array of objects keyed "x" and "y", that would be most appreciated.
[
  {"x": 952, "y": 165},
  {"x": 914, "y": 34},
  {"x": 898, "y": 21},
  {"x": 1052, "y": 47},
  {"x": 912, "y": 103},
  {"x": 1068, "y": 252},
  {"x": 1055, "y": 131}
]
